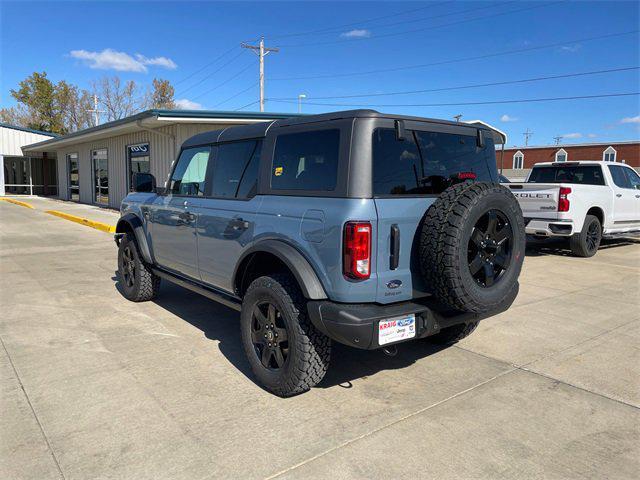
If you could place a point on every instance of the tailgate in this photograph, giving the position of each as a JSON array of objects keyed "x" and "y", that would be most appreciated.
[{"x": 537, "y": 200}]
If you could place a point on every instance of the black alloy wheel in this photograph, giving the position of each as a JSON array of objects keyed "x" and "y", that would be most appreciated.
[
  {"x": 593, "y": 236},
  {"x": 490, "y": 247},
  {"x": 269, "y": 336},
  {"x": 128, "y": 266}
]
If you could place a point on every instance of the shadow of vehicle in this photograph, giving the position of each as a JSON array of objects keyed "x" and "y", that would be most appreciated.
[
  {"x": 220, "y": 323},
  {"x": 560, "y": 246}
]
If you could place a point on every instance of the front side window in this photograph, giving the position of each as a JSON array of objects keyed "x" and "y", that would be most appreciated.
[
  {"x": 609, "y": 155},
  {"x": 518, "y": 160},
  {"x": 634, "y": 178},
  {"x": 235, "y": 169},
  {"x": 581, "y": 175},
  {"x": 138, "y": 160},
  {"x": 189, "y": 175},
  {"x": 561, "y": 155},
  {"x": 619, "y": 176},
  {"x": 306, "y": 161}
]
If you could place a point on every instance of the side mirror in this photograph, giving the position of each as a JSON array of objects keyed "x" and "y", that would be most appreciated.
[{"x": 143, "y": 182}]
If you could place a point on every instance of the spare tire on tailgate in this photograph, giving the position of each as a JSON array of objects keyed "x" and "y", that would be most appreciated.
[{"x": 472, "y": 246}]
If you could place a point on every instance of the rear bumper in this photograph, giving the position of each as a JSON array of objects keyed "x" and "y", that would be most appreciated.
[
  {"x": 549, "y": 228},
  {"x": 356, "y": 325}
]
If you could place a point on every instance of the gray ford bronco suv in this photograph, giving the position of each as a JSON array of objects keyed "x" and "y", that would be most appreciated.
[{"x": 357, "y": 227}]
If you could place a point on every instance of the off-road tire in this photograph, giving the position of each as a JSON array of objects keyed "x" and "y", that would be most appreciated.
[
  {"x": 451, "y": 335},
  {"x": 146, "y": 284},
  {"x": 581, "y": 244},
  {"x": 309, "y": 350},
  {"x": 444, "y": 246}
]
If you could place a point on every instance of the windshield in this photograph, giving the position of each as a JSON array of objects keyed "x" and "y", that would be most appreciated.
[{"x": 582, "y": 175}]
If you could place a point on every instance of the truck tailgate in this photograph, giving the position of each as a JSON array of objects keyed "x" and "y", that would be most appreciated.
[{"x": 537, "y": 200}]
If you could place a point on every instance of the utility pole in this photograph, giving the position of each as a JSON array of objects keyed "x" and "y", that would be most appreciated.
[
  {"x": 300, "y": 97},
  {"x": 458, "y": 117},
  {"x": 261, "y": 51},
  {"x": 557, "y": 139},
  {"x": 95, "y": 111},
  {"x": 527, "y": 134}
]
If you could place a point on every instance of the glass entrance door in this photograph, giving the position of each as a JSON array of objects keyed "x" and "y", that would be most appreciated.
[
  {"x": 74, "y": 179},
  {"x": 100, "y": 176}
]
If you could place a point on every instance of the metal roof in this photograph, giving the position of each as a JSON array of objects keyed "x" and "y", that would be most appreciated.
[
  {"x": 152, "y": 119},
  {"x": 29, "y": 130}
]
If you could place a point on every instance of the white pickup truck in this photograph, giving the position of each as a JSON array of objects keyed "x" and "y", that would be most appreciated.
[{"x": 580, "y": 200}]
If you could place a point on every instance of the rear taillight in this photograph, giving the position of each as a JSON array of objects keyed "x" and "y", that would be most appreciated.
[
  {"x": 356, "y": 258},
  {"x": 563, "y": 199}
]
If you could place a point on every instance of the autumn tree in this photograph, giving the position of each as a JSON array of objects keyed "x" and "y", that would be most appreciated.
[{"x": 162, "y": 94}]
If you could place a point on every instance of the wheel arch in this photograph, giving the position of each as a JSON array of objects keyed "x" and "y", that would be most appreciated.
[
  {"x": 268, "y": 256},
  {"x": 131, "y": 223},
  {"x": 598, "y": 213}
]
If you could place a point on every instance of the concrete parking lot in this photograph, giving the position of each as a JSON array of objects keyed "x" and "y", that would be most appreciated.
[{"x": 93, "y": 386}]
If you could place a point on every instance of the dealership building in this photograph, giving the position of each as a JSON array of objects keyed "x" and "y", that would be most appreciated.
[
  {"x": 516, "y": 162},
  {"x": 95, "y": 165}
]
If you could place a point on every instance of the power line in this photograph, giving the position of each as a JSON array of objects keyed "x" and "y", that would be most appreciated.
[
  {"x": 431, "y": 27},
  {"x": 224, "y": 83},
  {"x": 212, "y": 73},
  {"x": 359, "y": 23},
  {"x": 457, "y": 60},
  {"x": 247, "y": 105},
  {"x": 205, "y": 66},
  {"x": 462, "y": 87},
  {"x": 456, "y": 104},
  {"x": 253, "y": 85}
]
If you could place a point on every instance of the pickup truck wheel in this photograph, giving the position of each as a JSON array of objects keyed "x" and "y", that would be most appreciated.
[
  {"x": 587, "y": 242},
  {"x": 472, "y": 245},
  {"x": 138, "y": 283},
  {"x": 451, "y": 335},
  {"x": 286, "y": 353}
]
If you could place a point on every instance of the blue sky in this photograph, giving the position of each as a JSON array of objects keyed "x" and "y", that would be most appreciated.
[{"x": 82, "y": 41}]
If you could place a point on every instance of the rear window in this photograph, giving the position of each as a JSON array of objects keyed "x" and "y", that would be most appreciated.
[
  {"x": 582, "y": 175},
  {"x": 427, "y": 162},
  {"x": 306, "y": 161}
]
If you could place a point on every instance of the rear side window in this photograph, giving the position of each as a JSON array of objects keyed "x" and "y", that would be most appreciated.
[
  {"x": 306, "y": 161},
  {"x": 581, "y": 175},
  {"x": 427, "y": 162},
  {"x": 634, "y": 178},
  {"x": 619, "y": 177},
  {"x": 231, "y": 166},
  {"x": 188, "y": 177}
]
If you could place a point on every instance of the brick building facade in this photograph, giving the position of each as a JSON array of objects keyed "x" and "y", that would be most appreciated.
[{"x": 517, "y": 161}]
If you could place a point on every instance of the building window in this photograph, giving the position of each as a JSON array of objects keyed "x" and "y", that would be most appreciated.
[
  {"x": 561, "y": 155},
  {"x": 518, "y": 160},
  {"x": 100, "y": 164},
  {"x": 609, "y": 155},
  {"x": 74, "y": 177},
  {"x": 138, "y": 160}
]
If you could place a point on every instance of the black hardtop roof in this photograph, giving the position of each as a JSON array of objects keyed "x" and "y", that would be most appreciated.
[{"x": 258, "y": 130}]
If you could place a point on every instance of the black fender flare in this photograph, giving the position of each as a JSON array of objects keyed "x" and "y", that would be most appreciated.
[
  {"x": 302, "y": 270},
  {"x": 134, "y": 223}
]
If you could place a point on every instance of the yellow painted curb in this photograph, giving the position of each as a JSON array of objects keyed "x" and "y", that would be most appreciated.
[
  {"x": 18, "y": 202},
  {"x": 83, "y": 221}
]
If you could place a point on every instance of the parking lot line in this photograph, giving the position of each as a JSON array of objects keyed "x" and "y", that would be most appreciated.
[
  {"x": 18, "y": 202},
  {"x": 83, "y": 221}
]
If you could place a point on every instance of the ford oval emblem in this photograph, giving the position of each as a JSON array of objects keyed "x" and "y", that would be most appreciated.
[{"x": 394, "y": 284}]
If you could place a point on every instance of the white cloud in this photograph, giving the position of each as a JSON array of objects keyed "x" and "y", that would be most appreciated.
[
  {"x": 592, "y": 135},
  {"x": 635, "y": 119},
  {"x": 185, "y": 104},
  {"x": 507, "y": 118},
  {"x": 571, "y": 48},
  {"x": 109, "y": 59},
  {"x": 357, "y": 33},
  {"x": 571, "y": 135}
]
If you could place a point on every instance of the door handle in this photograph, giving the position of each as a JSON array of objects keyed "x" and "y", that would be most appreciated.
[
  {"x": 618, "y": 195},
  {"x": 637, "y": 196},
  {"x": 187, "y": 217}
]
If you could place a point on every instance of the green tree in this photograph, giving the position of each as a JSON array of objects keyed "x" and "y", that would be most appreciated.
[{"x": 37, "y": 94}]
